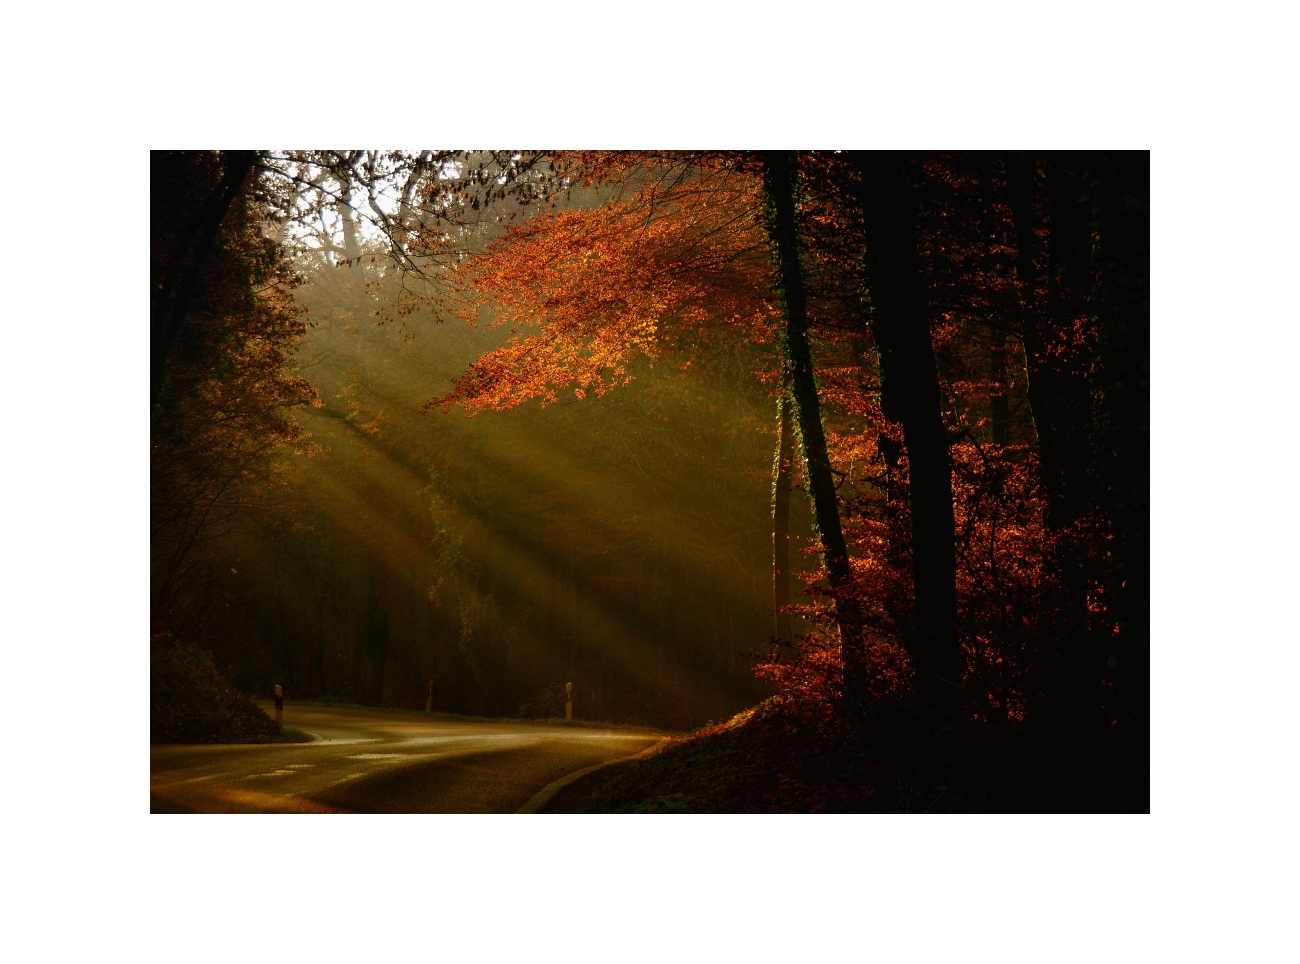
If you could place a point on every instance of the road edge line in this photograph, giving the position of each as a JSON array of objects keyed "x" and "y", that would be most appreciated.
[{"x": 543, "y": 796}]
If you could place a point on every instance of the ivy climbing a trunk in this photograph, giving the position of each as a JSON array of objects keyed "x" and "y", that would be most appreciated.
[
  {"x": 782, "y": 485},
  {"x": 778, "y": 183}
]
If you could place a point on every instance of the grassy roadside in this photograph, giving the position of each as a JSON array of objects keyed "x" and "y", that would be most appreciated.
[
  {"x": 767, "y": 760},
  {"x": 191, "y": 702},
  {"x": 750, "y": 764}
]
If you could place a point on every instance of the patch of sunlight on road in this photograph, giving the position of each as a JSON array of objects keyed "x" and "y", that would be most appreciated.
[
  {"x": 378, "y": 756},
  {"x": 271, "y": 802},
  {"x": 468, "y": 736},
  {"x": 326, "y": 741}
]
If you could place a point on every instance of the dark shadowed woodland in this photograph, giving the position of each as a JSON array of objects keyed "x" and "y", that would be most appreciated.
[{"x": 836, "y": 461}]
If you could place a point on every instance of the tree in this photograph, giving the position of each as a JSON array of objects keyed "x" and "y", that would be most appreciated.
[
  {"x": 782, "y": 485},
  {"x": 679, "y": 256},
  {"x": 779, "y": 184},
  {"x": 186, "y": 217},
  {"x": 1058, "y": 340},
  {"x": 1119, "y": 189},
  {"x": 220, "y": 416},
  {"x": 910, "y": 387}
]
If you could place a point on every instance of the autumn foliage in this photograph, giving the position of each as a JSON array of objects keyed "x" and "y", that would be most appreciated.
[
  {"x": 674, "y": 255},
  {"x": 662, "y": 249}
]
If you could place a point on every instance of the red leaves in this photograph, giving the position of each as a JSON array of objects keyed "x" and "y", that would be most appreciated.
[{"x": 603, "y": 284}]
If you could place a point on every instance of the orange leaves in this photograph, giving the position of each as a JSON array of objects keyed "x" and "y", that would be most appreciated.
[{"x": 602, "y": 284}]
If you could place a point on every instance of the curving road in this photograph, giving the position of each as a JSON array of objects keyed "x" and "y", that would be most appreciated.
[{"x": 371, "y": 761}]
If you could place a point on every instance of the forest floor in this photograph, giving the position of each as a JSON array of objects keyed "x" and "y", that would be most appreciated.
[{"x": 765, "y": 761}]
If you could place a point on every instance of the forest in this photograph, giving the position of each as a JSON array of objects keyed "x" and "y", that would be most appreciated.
[{"x": 832, "y": 456}]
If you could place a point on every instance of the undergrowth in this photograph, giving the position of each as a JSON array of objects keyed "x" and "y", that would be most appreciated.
[
  {"x": 776, "y": 758},
  {"x": 191, "y": 702}
]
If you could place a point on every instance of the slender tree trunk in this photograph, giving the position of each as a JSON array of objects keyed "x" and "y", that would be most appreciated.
[
  {"x": 283, "y": 639},
  {"x": 999, "y": 402},
  {"x": 781, "y": 520},
  {"x": 322, "y": 655},
  {"x": 778, "y": 177},
  {"x": 901, "y": 319}
]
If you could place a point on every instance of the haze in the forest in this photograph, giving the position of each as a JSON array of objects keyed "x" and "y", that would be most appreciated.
[
  {"x": 853, "y": 436},
  {"x": 621, "y": 543}
]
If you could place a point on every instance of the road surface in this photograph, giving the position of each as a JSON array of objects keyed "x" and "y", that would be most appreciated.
[{"x": 371, "y": 761}]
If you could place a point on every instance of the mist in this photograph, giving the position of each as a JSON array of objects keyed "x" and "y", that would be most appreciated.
[{"x": 621, "y": 543}]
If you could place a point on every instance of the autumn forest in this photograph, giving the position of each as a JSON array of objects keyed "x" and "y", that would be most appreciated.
[{"x": 829, "y": 470}]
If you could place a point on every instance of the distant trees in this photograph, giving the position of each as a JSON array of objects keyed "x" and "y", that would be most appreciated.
[
  {"x": 414, "y": 212},
  {"x": 224, "y": 324},
  {"x": 504, "y": 554}
]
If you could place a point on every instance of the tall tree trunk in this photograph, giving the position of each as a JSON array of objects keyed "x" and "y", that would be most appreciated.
[
  {"x": 891, "y": 451},
  {"x": 170, "y": 300},
  {"x": 999, "y": 398},
  {"x": 350, "y": 245},
  {"x": 1121, "y": 191},
  {"x": 1058, "y": 391},
  {"x": 778, "y": 179},
  {"x": 781, "y": 519},
  {"x": 901, "y": 321},
  {"x": 376, "y": 626}
]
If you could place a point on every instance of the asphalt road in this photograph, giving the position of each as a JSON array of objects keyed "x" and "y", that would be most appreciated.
[{"x": 370, "y": 761}]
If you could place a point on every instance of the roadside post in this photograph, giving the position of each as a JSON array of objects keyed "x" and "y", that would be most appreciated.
[
  {"x": 568, "y": 704},
  {"x": 279, "y": 707},
  {"x": 428, "y": 704}
]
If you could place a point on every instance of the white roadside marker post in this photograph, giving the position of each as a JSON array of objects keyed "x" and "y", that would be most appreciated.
[
  {"x": 568, "y": 706},
  {"x": 279, "y": 707},
  {"x": 428, "y": 704}
]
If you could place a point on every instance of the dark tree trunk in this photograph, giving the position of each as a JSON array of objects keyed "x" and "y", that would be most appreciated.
[
  {"x": 171, "y": 297},
  {"x": 999, "y": 402},
  {"x": 376, "y": 626},
  {"x": 1055, "y": 284},
  {"x": 900, "y": 319},
  {"x": 778, "y": 178},
  {"x": 1121, "y": 191},
  {"x": 1058, "y": 389}
]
